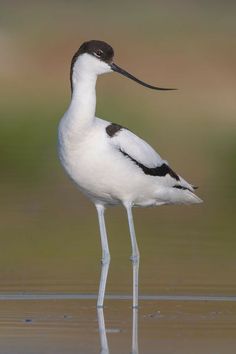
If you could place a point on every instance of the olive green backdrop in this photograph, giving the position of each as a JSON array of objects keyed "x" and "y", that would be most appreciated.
[{"x": 48, "y": 231}]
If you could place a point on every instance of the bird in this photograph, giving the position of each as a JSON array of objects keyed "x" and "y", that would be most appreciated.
[{"x": 108, "y": 162}]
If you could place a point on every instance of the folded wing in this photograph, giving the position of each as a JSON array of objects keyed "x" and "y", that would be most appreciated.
[{"x": 144, "y": 156}]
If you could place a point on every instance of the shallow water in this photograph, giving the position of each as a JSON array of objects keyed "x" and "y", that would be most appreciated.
[
  {"x": 74, "y": 326},
  {"x": 50, "y": 272}
]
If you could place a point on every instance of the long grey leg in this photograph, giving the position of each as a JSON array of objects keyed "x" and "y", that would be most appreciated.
[
  {"x": 105, "y": 255},
  {"x": 135, "y": 254},
  {"x": 102, "y": 332},
  {"x": 135, "y": 332}
]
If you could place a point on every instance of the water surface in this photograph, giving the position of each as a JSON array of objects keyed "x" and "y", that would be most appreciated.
[{"x": 74, "y": 326}]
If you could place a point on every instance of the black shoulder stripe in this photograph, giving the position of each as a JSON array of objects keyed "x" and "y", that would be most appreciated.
[
  {"x": 112, "y": 129},
  {"x": 159, "y": 171}
]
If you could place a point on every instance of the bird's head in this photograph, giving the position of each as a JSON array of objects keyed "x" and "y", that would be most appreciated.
[{"x": 95, "y": 58}]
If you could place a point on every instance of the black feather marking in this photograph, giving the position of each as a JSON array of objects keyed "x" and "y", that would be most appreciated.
[
  {"x": 182, "y": 187},
  {"x": 99, "y": 49},
  {"x": 159, "y": 171},
  {"x": 112, "y": 129}
]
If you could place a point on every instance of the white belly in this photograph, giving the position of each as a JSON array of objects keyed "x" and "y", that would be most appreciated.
[{"x": 102, "y": 172}]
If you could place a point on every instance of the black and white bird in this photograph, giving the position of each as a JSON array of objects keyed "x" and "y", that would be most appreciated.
[{"x": 110, "y": 164}]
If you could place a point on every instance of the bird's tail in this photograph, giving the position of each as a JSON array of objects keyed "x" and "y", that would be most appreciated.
[
  {"x": 178, "y": 196},
  {"x": 191, "y": 198}
]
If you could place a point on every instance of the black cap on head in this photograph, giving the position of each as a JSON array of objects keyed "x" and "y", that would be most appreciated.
[{"x": 98, "y": 49}]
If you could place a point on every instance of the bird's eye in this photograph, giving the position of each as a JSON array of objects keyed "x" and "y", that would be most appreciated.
[{"x": 98, "y": 53}]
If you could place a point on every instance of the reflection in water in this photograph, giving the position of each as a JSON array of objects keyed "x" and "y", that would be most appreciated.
[
  {"x": 135, "y": 332},
  {"x": 102, "y": 332},
  {"x": 103, "y": 335}
]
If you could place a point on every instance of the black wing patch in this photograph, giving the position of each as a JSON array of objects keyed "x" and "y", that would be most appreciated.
[
  {"x": 113, "y": 128},
  {"x": 159, "y": 171}
]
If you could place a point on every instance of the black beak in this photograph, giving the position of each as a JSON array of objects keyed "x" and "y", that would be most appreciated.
[{"x": 117, "y": 69}]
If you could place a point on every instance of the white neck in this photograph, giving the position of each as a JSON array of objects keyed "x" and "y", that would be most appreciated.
[
  {"x": 83, "y": 102},
  {"x": 81, "y": 112}
]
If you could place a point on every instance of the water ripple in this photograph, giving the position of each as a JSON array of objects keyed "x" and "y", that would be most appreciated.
[{"x": 61, "y": 296}]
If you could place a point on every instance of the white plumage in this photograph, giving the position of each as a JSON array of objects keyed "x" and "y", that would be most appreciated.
[{"x": 109, "y": 163}]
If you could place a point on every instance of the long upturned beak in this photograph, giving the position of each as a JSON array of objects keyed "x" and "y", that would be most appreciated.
[{"x": 117, "y": 69}]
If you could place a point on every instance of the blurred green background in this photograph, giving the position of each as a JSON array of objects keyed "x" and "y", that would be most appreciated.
[{"x": 48, "y": 231}]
